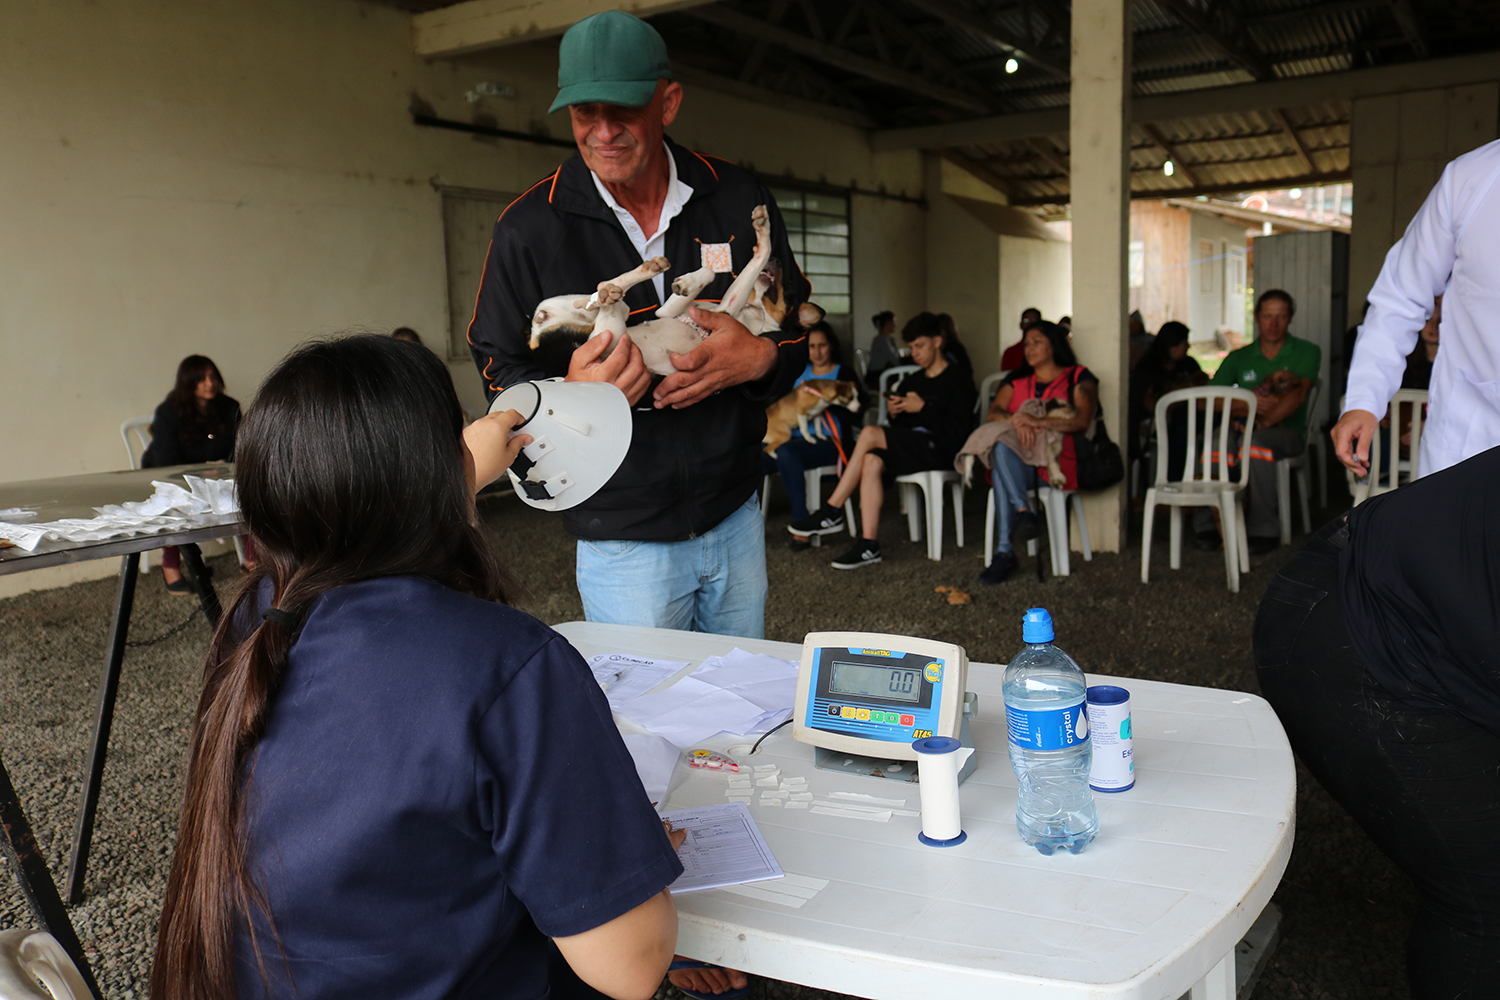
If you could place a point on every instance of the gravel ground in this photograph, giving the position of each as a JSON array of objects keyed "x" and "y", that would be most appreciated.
[{"x": 1345, "y": 907}]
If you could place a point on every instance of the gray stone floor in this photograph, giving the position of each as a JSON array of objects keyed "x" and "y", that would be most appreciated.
[{"x": 1345, "y": 908}]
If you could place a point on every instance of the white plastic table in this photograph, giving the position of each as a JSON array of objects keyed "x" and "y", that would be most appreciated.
[{"x": 1184, "y": 862}]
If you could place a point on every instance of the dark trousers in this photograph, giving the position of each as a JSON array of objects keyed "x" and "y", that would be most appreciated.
[{"x": 1424, "y": 783}]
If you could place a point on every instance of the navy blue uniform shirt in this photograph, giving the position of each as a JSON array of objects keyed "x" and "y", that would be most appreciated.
[{"x": 440, "y": 786}]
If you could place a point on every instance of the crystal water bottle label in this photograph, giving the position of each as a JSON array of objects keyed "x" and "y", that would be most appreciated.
[{"x": 1048, "y": 729}]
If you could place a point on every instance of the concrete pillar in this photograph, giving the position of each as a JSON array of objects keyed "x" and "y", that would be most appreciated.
[{"x": 1099, "y": 181}]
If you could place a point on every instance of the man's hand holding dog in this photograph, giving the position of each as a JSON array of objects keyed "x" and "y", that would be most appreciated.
[
  {"x": 729, "y": 356},
  {"x": 625, "y": 369}
]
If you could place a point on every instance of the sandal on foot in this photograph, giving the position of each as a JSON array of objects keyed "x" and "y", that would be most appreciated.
[{"x": 180, "y": 587}]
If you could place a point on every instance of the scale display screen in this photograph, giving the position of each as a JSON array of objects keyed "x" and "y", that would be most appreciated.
[
  {"x": 873, "y": 694},
  {"x": 875, "y": 682}
]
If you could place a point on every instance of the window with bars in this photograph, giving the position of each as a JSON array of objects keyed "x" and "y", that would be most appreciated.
[{"x": 817, "y": 225}]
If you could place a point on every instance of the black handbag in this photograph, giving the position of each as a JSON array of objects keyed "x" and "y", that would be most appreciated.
[{"x": 1099, "y": 461}]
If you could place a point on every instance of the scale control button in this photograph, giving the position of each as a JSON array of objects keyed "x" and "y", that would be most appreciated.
[
  {"x": 877, "y": 716},
  {"x": 863, "y": 715},
  {"x": 833, "y": 710},
  {"x": 847, "y": 712},
  {"x": 908, "y": 720}
]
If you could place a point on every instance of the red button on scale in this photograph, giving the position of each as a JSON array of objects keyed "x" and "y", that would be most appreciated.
[{"x": 908, "y": 720}]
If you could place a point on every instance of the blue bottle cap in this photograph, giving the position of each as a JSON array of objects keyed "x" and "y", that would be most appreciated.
[{"x": 1037, "y": 626}]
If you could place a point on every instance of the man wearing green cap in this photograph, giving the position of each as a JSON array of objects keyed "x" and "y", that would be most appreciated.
[{"x": 675, "y": 538}]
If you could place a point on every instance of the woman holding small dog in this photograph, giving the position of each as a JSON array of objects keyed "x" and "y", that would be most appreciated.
[
  {"x": 931, "y": 413},
  {"x": 1051, "y": 374},
  {"x": 799, "y": 454}
]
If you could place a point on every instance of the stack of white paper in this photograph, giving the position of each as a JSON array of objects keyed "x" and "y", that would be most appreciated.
[
  {"x": 170, "y": 506},
  {"x": 741, "y": 693}
]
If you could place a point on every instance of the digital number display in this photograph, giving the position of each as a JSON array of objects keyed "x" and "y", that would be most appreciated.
[{"x": 894, "y": 683}]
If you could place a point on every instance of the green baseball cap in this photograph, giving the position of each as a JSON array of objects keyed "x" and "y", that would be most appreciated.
[{"x": 611, "y": 57}]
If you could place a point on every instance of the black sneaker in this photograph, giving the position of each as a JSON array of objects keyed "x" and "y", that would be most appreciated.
[
  {"x": 1001, "y": 567},
  {"x": 825, "y": 520},
  {"x": 865, "y": 553},
  {"x": 1024, "y": 528}
]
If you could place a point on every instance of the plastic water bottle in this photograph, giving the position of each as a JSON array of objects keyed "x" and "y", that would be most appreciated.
[{"x": 1050, "y": 749}]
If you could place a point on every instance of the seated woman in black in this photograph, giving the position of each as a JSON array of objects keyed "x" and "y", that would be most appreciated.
[
  {"x": 196, "y": 423},
  {"x": 932, "y": 412},
  {"x": 1166, "y": 366},
  {"x": 398, "y": 786}
]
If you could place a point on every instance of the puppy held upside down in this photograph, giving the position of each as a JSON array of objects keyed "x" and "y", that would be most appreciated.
[{"x": 567, "y": 321}]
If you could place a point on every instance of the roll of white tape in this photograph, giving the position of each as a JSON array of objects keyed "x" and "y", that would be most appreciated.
[{"x": 938, "y": 761}]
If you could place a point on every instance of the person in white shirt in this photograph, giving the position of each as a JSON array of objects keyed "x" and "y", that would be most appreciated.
[{"x": 1452, "y": 249}]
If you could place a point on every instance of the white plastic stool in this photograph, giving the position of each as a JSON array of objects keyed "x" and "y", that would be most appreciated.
[{"x": 931, "y": 483}]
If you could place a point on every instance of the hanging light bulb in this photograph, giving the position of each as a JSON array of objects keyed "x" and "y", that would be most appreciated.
[
  {"x": 1167, "y": 168},
  {"x": 1011, "y": 65}
]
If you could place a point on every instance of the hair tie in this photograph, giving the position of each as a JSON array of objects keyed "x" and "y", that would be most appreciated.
[{"x": 279, "y": 617}]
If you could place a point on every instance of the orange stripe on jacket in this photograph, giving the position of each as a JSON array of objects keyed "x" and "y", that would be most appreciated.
[{"x": 1264, "y": 454}]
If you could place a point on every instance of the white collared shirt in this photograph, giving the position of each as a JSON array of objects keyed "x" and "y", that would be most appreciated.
[
  {"x": 1451, "y": 248},
  {"x": 654, "y": 245}
]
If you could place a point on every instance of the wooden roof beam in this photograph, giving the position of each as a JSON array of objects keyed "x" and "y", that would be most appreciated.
[
  {"x": 951, "y": 13},
  {"x": 489, "y": 24},
  {"x": 1236, "y": 51},
  {"x": 840, "y": 58},
  {"x": 1177, "y": 162},
  {"x": 1291, "y": 133}
]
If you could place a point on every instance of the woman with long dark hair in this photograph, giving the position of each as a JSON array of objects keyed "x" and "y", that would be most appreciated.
[
  {"x": 398, "y": 786},
  {"x": 196, "y": 423}
]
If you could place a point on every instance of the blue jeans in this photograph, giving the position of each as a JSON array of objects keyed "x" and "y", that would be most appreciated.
[
  {"x": 792, "y": 460},
  {"x": 713, "y": 583},
  {"x": 1009, "y": 478}
]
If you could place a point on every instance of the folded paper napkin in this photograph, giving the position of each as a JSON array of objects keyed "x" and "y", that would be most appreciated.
[{"x": 170, "y": 506}]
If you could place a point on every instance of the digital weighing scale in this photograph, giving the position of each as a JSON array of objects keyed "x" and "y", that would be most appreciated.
[{"x": 863, "y": 697}]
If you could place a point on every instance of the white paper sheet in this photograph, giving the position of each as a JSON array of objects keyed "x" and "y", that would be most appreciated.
[
  {"x": 655, "y": 759},
  {"x": 625, "y": 678},
  {"x": 690, "y": 711},
  {"x": 723, "y": 847}
]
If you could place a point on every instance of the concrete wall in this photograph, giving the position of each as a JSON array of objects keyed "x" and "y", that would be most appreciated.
[
  {"x": 1399, "y": 146},
  {"x": 1032, "y": 273},
  {"x": 227, "y": 179}
]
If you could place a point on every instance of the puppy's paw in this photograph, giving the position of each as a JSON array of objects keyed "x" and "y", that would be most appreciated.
[
  {"x": 609, "y": 294},
  {"x": 683, "y": 287},
  {"x": 761, "y": 220},
  {"x": 657, "y": 265}
]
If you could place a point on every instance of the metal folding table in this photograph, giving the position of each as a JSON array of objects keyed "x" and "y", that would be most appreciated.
[{"x": 76, "y": 497}]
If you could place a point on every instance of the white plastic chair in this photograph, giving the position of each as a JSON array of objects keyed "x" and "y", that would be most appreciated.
[
  {"x": 813, "y": 481},
  {"x": 1054, "y": 504},
  {"x": 888, "y": 378},
  {"x": 33, "y": 966},
  {"x": 931, "y": 482},
  {"x": 1206, "y": 482},
  {"x": 1298, "y": 464},
  {"x": 987, "y": 390},
  {"x": 137, "y": 435},
  {"x": 1413, "y": 403}
]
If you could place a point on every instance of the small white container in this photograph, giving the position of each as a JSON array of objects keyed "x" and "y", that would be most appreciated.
[{"x": 1113, "y": 768}]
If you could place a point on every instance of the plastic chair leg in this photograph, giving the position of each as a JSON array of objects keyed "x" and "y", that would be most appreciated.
[
  {"x": 1232, "y": 540},
  {"x": 1302, "y": 493},
  {"x": 1147, "y": 523},
  {"x": 914, "y": 517},
  {"x": 957, "y": 493},
  {"x": 1244, "y": 536},
  {"x": 1083, "y": 527},
  {"x": 1057, "y": 532},
  {"x": 1174, "y": 558},
  {"x": 989, "y": 529},
  {"x": 1284, "y": 498},
  {"x": 933, "y": 501}
]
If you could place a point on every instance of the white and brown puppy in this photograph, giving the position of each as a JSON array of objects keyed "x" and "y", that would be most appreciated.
[
  {"x": 802, "y": 406},
  {"x": 573, "y": 319}
]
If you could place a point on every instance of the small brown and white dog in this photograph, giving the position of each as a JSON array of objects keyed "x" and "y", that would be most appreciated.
[
  {"x": 1278, "y": 383},
  {"x": 574, "y": 319},
  {"x": 802, "y": 406}
]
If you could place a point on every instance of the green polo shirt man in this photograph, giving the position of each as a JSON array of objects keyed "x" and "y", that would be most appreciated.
[{"x": 1280, "y": 421}]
